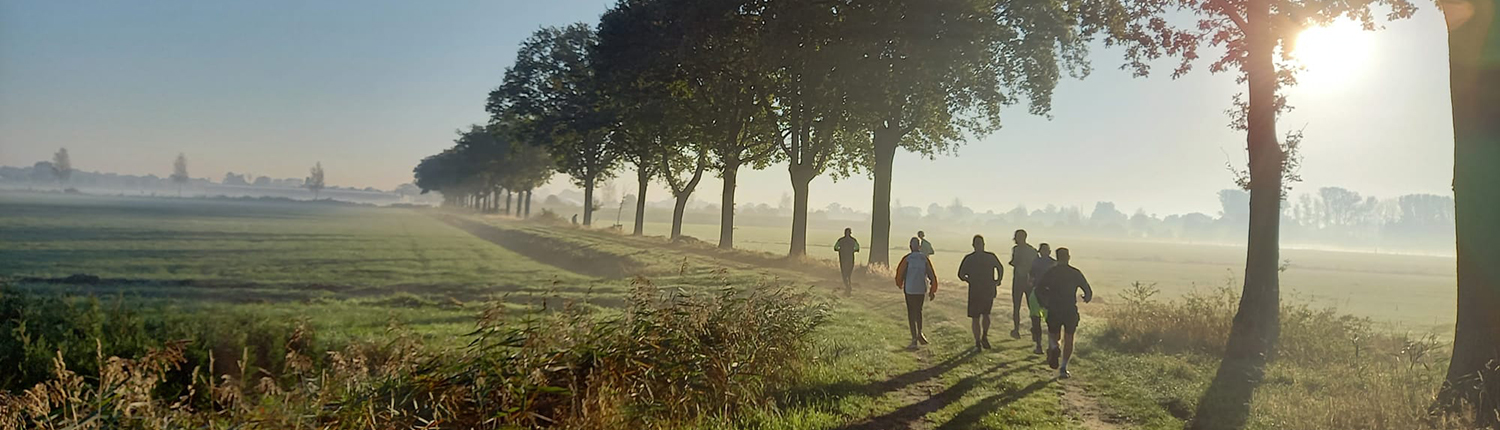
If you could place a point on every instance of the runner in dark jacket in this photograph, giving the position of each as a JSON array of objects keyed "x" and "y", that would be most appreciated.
[
  {"x": 846, "y": 247},
  {"x": 1058, "y": 292}
]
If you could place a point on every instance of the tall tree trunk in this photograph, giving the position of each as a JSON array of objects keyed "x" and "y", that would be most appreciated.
[
  {"x": 886, "y": 141},
  {"x": 801, "y": 180},
  {"x": 588, "y": 203},
  {"x": 508, "y": 196},
  {"x": 682, "y": 191},
  {"x": 528, "y": 205},
  {"x": 678, "y": 209},
  {"x": 1474, "y": 73},
  {"x": 1257, "y": 324},
  {"x": 726, "y": 219},
  {"x": 643, "y": 181}
]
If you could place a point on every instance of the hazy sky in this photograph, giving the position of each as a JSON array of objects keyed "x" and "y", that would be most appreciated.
[{"x": 368, "y": 88}]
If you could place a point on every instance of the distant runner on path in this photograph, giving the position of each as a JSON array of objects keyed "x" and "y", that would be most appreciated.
[
  {"x": 1021, "y": 257},
  {"x": 1043, "y": 263},
  {"x": 1058, "y": 292},
  {"x": 983, "y": 272},
  {"x": 915, "y": 276},
  {"x": 846, "y": 247},
  {"x": 926, "y": 246}
]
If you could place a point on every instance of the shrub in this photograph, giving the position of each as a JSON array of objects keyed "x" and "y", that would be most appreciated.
[
  {"x": 669, "y": 359},
  {"x": 38, "y": 329},
  {"x": 1331, "y": 370},
  {"x": 547, "y": 216}
]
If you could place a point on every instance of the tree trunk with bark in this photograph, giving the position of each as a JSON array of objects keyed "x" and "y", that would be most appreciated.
[
  {"x": 726, "y": 219},
  {"x": 588, "y": 203},
  {"x": 1473, "y": 378},
  {"x": 681, "y": 191},
  {"x": 1257, "y": 324},
  {"x": 643, "y": 181},
  {"x": 886, "y": 141},
  {"x": 801, "y": 184},
  {"x": 527, "y": 214}
]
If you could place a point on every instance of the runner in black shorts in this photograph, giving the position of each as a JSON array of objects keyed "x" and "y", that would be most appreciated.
[
  {"x": 982, "y": 270},
  {"x": 1058, "y": 292}
]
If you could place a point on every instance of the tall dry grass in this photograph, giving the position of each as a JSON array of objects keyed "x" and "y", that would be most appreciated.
[
  {"x": 1331, "y": 371},
  {"x": 668, "y": 360}
]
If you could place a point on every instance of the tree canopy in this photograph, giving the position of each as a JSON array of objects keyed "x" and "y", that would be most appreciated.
[{"x": 552, "y": 97}]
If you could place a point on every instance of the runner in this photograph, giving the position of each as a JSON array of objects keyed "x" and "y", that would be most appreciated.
[
  {"x": 983, "y": 272},
  {"x": 914, "y": 274},
  {"x": 1058, "y": 292},
  {"x": 1043, "y": 263},
  {"x": 1021, "y": 257},
  {"x": 846, "y": 247},
  {"x": 926, "y": 246}
]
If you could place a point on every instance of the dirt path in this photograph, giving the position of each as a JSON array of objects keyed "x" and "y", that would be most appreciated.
[{"x": 1094, "y": 415}]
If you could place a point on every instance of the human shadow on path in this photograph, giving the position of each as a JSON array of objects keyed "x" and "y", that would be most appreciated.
[
  {"x": 972, "y": 414},
  {"x": 805, "y": 395},
  {"x": 908, "y": 415}
]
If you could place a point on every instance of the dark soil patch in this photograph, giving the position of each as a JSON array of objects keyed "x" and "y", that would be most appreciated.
[{"x": 548, "y": 250}]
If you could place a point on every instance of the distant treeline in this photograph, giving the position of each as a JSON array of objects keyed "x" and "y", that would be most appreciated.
[
  {"x": 43, "y": 176},
  {"x": 1330, "y": 216}
]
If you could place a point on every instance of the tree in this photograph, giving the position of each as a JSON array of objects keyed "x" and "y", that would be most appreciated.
[
  {"x": 682, "y": 171},
  {"x": 42, "y": 172},
  {"x": 552, "y": 98},
  {"x": 1341, "y": 207},
  {"x": 524, "y": 169},
  {"x": 810, "y": 99},
  {"x": 1106, "y": 216},
  {"x": 638, "y": 77},
  {"x": 1234, "y": 206},
  {"x": 314, "y": 180},
  {"x": 1423, "y": 212},
  {"x": 674, "y": 101},
  {"x": 1474, "y": 76},
  {"x": 180, "y": 172},
  {"x": 1250, "y": 32},
  {"x": 936, "y": 72},
  {"x": 407, "y": 190},
  {"x": 62, "y": 166},
  {"x": 231, "y": 178},
  {"x": 723, "y": 78}
]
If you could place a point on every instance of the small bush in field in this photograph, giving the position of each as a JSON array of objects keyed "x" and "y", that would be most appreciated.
[{"x": 547, "y": 216}]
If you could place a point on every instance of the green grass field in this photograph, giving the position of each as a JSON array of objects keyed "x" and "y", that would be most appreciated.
[{"x": 351, "y": 270}]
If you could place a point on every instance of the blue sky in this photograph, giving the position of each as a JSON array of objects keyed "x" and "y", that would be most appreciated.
[{"x": 368, "y": 88}]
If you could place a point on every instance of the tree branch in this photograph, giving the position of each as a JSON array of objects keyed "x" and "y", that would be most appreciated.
[{"x": 1229, "y": 11}]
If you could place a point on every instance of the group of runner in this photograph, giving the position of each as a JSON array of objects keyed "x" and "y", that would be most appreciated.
[{"x": 1047, "y": 285}]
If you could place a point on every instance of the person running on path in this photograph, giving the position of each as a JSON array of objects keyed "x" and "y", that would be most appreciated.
[
  {"x": 846, "y": 247},
  {"x": 1058, "y": 292},
  {"x": 983, "y": 272},
  {"x": 915, "y": 276},
  {"x": 1043, "y": 263},
  {"x": 926, "y": 246},
  {"x": 1021, "y": 257}
]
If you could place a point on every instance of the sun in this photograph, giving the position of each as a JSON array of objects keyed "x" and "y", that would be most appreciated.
[{"x": 1334, "y": 56}]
